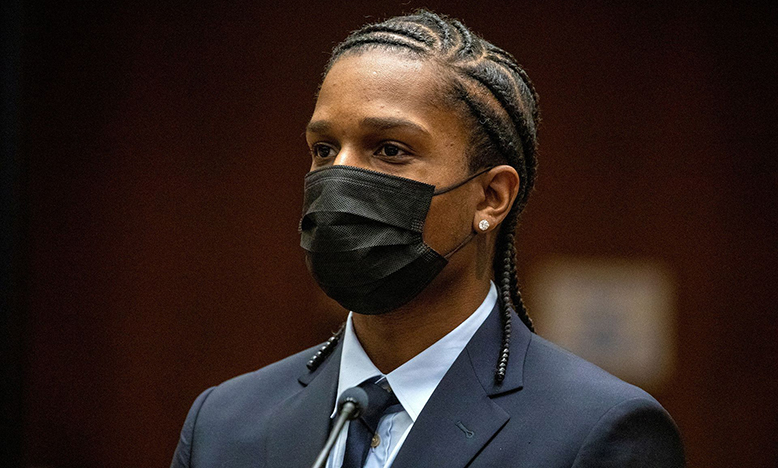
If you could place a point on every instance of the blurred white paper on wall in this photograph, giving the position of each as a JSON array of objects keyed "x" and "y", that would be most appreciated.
[{"x": 616, "y": 313}]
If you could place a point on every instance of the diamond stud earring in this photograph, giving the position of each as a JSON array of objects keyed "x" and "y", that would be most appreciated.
[{"x": 483, "y": 225}]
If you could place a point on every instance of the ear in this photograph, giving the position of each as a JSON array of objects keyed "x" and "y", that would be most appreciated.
[{"x": 500, "y": 187}]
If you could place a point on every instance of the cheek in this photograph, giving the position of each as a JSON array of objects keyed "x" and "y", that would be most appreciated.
[{"x": 449, "y": 220}]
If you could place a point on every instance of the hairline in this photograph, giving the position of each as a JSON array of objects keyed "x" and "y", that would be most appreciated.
[{"x": 444, "y": 95}]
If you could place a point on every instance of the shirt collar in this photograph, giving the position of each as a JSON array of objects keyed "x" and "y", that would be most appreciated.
[{"x": 414, "y": 381}]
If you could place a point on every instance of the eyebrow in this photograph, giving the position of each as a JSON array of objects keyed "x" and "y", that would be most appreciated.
[
  {"x": 389, "y": 123},
  {"x": 318, "y": 126},
  {"x": 374, "y": 123}
]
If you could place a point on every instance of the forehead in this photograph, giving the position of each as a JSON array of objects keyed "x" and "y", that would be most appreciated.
[{"x": 387, "y": 83}]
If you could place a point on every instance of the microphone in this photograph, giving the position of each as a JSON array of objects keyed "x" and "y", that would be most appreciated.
[{"x": 351, "y": 404}]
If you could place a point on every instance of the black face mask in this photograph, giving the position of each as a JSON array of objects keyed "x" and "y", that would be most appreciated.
[{"x": 362, "y": 234}]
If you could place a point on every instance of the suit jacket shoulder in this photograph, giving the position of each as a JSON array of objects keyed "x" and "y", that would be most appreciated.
[
  {"x": 570, "y": 412},
  {"x": 267, "y": 385},
  {"x": 228, "y": 419},
  {"x": 555, "y": 372}
]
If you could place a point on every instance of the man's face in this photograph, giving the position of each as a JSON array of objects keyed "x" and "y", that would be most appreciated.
[{"x": 381, "y": 111}]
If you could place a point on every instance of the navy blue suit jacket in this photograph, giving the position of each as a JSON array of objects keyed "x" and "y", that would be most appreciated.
[{"x": 552, "y": 410}]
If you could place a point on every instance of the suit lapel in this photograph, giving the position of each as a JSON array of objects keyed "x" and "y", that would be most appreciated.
[
  {"x": 300, "y": 424},
  {"x": 458, "y": 420},
  {"x": 460, "y": 417}
]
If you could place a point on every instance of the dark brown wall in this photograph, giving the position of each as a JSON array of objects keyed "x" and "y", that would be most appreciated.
[{"x": 165, "y": 157}]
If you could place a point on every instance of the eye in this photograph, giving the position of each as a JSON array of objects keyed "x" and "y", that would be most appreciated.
[
  {"x": 322, "y": 151},
  {"x": 390, "y": 150}
]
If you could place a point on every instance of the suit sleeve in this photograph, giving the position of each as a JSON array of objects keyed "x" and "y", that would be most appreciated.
[
  {"x": 635, "y": 433},
  {"x": 183, "y": 456}
]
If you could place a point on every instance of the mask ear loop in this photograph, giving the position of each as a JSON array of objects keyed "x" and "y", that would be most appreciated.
[
  {"x": 459, "y": 184},
  {"x": 461, "y": 244},
  {"x": 456, "y": 186}
]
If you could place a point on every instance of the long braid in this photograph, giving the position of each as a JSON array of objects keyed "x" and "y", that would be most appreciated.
[
  {"x": 497, "y": 96},
  {"x": 326, "y": 349}
]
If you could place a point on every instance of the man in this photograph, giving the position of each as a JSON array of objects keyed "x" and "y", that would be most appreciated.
[{"x": 423, "y": 145}]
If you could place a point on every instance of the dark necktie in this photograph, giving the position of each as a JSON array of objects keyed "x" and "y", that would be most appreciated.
[{"x": 362, "y": 429}]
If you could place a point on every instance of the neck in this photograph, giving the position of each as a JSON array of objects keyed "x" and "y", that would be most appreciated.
[{"x": 393, "y": 338}]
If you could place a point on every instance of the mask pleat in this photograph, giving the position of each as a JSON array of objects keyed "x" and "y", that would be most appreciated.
[
  {"x": 354, "y": 237},
  {"x": 336, "y": 269}
]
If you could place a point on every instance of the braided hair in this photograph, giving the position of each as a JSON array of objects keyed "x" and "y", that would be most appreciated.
[{"x": 494, "y": 94}]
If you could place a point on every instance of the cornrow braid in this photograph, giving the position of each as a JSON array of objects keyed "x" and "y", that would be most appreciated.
[
  {"x": 468, "y": 45},
  {"x": 495, "y": 94},
  {"x": 436, "y": 22},
  {"x": 416, "y": 33}
]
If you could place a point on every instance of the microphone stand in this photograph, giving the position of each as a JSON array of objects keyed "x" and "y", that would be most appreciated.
[{"x": 352, "y": 403}]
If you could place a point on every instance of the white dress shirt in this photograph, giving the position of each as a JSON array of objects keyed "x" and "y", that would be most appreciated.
[{"x": 412, "y": 383}]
